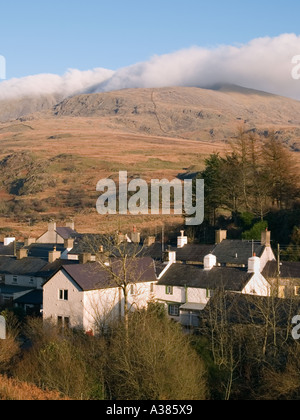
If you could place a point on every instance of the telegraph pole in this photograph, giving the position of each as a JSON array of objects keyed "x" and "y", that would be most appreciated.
[{"x": 278, "y": 268}]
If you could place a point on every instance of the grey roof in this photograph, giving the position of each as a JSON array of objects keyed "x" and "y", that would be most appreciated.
[
  {"x": 227, "y": 278},
  {"x": 66, "y": 232},
  {"x": 51, "y": 268},
  {"x": 92, "y": 276},
  {"x": 192, "y": 307},
  {"x": 237, "y": 252},
  {"x": 26, "y": 266},
  {"x": 189, "y": 253},
  {"x": 288, "y": 270},
  {"x": 193, "y": 252},
  {"x": 10, "y": 249},
  {"x": 34, "y": 297},
  {"x": 42, "y": 250},
  {"x": 7, "y": 289},
  {"x": 88, "y": 243}
]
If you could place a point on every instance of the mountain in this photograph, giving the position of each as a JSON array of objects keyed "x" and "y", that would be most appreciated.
[
  {"x": 16, "y": 108},
  {"x": 193, "y": 113},
  {"x": 182, "y": 112},
  {"x": 52, "y": 159}
]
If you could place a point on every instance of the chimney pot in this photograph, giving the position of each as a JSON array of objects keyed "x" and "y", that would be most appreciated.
[
  {"x": 254, "y": 265},
  {"x": 210, "y": 261},
  {"x": 266, "y": 238},
  {"x": 221, "y": 235},
  {"x": 182, "y": 240}
]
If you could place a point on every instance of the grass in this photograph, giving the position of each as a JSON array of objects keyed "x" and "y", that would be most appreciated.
[{"x": 14, "y": 390}]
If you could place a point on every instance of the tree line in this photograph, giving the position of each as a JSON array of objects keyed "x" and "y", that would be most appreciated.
[{"x": 256, "y": 176}]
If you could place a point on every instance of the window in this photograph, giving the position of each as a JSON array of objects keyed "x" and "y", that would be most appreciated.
[
  {"x": 209, "y": 294},
  {"x": 151, "y": 288},
  {"x": 31, "y": 279},
  {"x": 169, "y": 290},
  {"x": 67, "y": 322},
  {"x": 15, "y": 279},
  {"x": 64, "y": 295},
  {"x": 60, "y": 321},
  {"x": 63, "y": 322},
  {"x": 133, "y": 289},
  {"x": 173, "y": 310}
]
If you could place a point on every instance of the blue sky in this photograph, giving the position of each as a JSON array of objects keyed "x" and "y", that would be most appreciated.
[{"x": 39, "y": 36}]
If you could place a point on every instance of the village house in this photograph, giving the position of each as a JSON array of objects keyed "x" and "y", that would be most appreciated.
[
  {"x": 185, "y": 287},
  {"x": 58, "y": 235},
  {"x": 89, "y": 295},
  {"x": 23, "y": 271},
  {"x": 284, "y": 279}
]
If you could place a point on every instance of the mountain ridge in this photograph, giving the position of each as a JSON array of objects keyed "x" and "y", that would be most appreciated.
[{"x": 205, "y": 114}]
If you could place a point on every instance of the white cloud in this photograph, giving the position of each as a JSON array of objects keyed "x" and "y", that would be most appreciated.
[
  {"x": 263, "y": 64},
  {"x": 72, "y": 82}
]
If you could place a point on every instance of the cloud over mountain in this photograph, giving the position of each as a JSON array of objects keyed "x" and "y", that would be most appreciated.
[{"x": 262, "y": 64}]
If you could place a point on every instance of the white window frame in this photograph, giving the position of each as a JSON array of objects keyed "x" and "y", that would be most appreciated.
[{"x": 63, "y": 295}]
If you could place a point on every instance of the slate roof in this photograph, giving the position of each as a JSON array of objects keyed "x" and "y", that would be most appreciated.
[
  {"x": 34, "y": 297},
  {"x": 51, "y": 268},
  {"x": 66, "y": 232},
  {"x": 88, "y": 243},
  {"x": 227, "y": 278},
  {"x": 288, "y": 270},
  {"x": 7, "y": 289},
  {"x": 9, "y": 249},
  {"x": 236, "y": 252},
  {"x": 42, "y": 250},
  {"x": 92, "y": 276},
  {"x": 189, "y": 253},
  {"x": 193, "y": 252},
  {"x": 26, "y": 266}
]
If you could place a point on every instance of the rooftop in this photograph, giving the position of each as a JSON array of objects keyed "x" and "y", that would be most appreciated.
[
  {"x": 93, "y": 276},
  {"x": 288, "y": 270},
  {"x": 236, "y": 252},
  {"x": 232, "y": 279}
]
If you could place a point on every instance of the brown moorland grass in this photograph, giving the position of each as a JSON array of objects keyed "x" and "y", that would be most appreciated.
[
  {"x": 14, "y": 390},
  {"x": 78, "y": 152}
]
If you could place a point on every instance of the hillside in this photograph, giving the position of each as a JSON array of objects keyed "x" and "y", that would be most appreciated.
[
  {"x": 191, "y": 113},
  {"x": 14, "y": 390},
  {"x": 17, "y": 108},
  {"x": 51, "y": 160}
]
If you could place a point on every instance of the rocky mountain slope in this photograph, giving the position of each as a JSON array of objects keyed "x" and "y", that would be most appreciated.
[{"x": 193, "y": 113}]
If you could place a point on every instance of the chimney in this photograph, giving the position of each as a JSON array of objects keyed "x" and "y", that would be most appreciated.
[
  {"x": 69, "y": 243},
  {"x": 172, "y": 257},
  {"x": 70, "y": 225},
  {"x": 8, "y": 241},
  {"x": 85, "y": 258},
  {"x": 266, "y": 238},
  {"x": 51, "y": 226},
  {"x": 22, "y": 253},
  {"x": 254, "y": 265},
  {"x": 182, "y": 240},
  {"x": 221, "y": 235},
  {"x": 135, "y": 236},
  {"x": 210, "y": 261},
  {"x": 29, "y": 241},
  {"x": 54, "y": 255}
]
